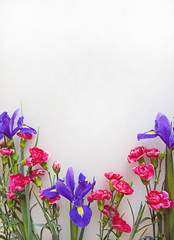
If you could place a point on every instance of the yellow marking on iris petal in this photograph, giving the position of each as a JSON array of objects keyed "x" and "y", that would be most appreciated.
[
  {"x": 151, "y": 132},
  {"x": 53, "y": 190},
  {"x": 80, "y": 211},
  {"x": 24, "y": 126},
  {"x": 86, "y": 180}
]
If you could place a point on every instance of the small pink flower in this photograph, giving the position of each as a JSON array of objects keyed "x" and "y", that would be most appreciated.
[
  {"x": 152, "y": 153},
  {"x": 29, "y": 162},
  {"x": 136, "y": 154},
  {"x": 111, "y": 176},
  {"x": 144, "y": 172},
  {"x": 99, "y": 195},
  {"x": 106, "y": 210},
  {"x": 120, "y": 225},
  {"x": 36, "y": 173},
  {"x": 157, "y": 200},
  {"x": 10, "y": 195},
  {"x": 26, "y": 136},
  {"x": 122, "y": 187},
  {"x": 18, "y": 181},
  {"x": 6, "y": 151},
  {"x": 56, "y": 166}
]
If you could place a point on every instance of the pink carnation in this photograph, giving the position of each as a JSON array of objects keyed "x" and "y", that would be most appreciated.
[
  {"x": 157, "y": 200},
  {"x": 99, "y": 195},
  {"x": 6, "y": 151},
  {"x": 152, "y": 153},
  {"x": 37, "y": 156},
  {"x": 120, "y": 225},
  {"x": 26, "y": 136},
  {"x": 144, "y": 172},
  {"x": 111, "y": 176},
  {"x": 122, "y": 187},
  {"x": 18, "y": 181},
  {"x": 36, "y": 173},
  {"x": 136, "y": 154},
  {"x": 10, "y": 195}
]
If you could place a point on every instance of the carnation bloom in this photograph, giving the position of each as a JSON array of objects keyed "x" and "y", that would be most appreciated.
[
  {"x": 111, "y": 176},
  {"x": 117, "y": 222},
  {"x": 37, "y": 156},
  {"x": 136, "y": 154},
  {"x": 144, "y": 172},
  {"x": 99, "y": 195},
  {"x": 122, "y": 187},
  {"x": 36, "y": 173},
  {"x": 10, "y": 195},
  {"x": 152, "y": 153},
  {"x": 157, "y": 200},
  {"x": 120, "y": 225},
  {"x": 26, "y": 136},
  {"x": 18, "y": 181},
  {"x": 6, "y": 151}
]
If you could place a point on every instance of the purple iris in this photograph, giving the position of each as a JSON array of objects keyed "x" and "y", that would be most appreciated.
[
  {"x": 80, "y": 214},
  {"x": 162, "y": 129},
  {"x": 7, "y": 125}
]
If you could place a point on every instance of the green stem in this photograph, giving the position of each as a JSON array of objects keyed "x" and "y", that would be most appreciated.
[
  {"x": 73, "y": 228},
  {"x": 169, "y": 187},
  {"x": 30, "y": 234}
]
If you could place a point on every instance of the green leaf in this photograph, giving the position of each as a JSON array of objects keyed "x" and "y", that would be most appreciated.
[{"x": 133, "y": 216}]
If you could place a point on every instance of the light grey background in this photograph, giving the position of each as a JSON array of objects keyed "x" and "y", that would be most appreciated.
[{"x": 91, "y": 74}]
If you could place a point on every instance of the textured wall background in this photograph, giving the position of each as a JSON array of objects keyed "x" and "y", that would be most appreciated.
[{"x": 91, "y": 74}]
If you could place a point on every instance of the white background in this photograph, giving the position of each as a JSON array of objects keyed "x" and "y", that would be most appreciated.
[{"x": 91, "y": 74}]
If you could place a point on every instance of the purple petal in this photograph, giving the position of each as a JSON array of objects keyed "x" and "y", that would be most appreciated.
[
  {"x": 81, "y": 216},
  {"x": 163, "y": 128},
  {"x": 51, "y": 192},
  {"x": 70, "y": 180},
  {"x": 149, "y": 134},
  {"x": 64, "y": 190},
  {"x": 11, "y": 122}
]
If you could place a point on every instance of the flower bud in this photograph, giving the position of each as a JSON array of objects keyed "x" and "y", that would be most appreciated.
[
  {"x": 105, "y": 221},
  {"x": 118, "y": 196},
  {"x": 23, "y": 162},
  {"x": 4, "y": 160},
  {"x": 100, "y": 205},
  {"x": 118, "y": 233},
  {"x": 10, "y": 143},
  {"x": 154, "y": 162},
  {"x": 38, "y": 181},
  {"x": 161, "y": 155},
  {"x": 23, "y": 143},
  {"x": 44, "y": 165},
  {"x": 9, "y": 203},
  {"x": 56, "y": 167},
  {"x": 15, "y": 157}
]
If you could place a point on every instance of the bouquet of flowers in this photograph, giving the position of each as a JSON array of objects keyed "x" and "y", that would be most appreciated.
[{"x": 23, "y": 168}]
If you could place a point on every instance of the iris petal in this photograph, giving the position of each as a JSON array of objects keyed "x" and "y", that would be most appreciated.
[
  {"x": 70, "y": 180},
  {"x": 149, "y": 134},
  {"x": 81, "y": 216},
  {"x": 64, "y": 190},
  {"x": 51, "y": 192}
]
